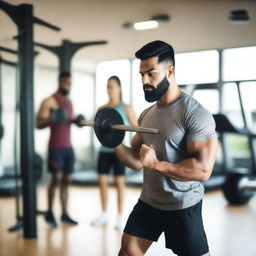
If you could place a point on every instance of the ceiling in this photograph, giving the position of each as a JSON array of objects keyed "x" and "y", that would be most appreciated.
[{"x": 194, "y": 25}]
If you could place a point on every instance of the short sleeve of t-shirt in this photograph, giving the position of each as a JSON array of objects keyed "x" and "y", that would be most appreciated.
[
  {"x": 200, "y": 125},
  {"x": 142, "y": 115}
]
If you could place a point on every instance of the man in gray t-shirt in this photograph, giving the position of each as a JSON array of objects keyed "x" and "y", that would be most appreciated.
[{"x": 175, "y": 161}]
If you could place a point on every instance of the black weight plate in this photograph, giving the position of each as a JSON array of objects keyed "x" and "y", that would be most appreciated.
[
  {"x": 232, "y": 191},
  {"x": 103, "y": 121}
]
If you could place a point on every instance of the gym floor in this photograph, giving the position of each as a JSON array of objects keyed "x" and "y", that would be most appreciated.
[{"x": 231, "y": 230}]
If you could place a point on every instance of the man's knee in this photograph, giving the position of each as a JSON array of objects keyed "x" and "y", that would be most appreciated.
[
  {"x": 55, "y": 180},
  {"x": 65, "y": 180}
]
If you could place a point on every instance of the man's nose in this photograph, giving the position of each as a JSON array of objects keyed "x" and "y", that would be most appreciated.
[{"x": 145, "y": 79}]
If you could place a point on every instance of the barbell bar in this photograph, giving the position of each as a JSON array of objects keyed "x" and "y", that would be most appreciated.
[
  {"x": 110, "y": 128},
  {"x": 124, "y": 127}
]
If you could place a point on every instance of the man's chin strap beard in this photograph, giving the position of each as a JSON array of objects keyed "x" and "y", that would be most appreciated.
[
  {"x": 157, "y": 92},
  {"x": 63, "y": 92}
]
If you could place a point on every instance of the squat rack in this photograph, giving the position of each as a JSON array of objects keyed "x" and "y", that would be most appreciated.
[{"x": 22, "y": 16}]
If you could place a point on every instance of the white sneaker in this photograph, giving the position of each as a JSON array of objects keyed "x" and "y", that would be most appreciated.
[
  {"x": 119, "y": 222},
  {"x": 101, "y": 220}
]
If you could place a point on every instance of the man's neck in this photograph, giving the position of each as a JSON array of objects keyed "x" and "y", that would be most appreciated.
[{"x": 171, "y": 95}]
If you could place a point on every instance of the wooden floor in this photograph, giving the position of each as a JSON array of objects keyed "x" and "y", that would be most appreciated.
[{"x": 230, "y": 230}]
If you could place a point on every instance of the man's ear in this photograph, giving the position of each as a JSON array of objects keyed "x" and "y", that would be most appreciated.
[{"x": 170, "y": 71}]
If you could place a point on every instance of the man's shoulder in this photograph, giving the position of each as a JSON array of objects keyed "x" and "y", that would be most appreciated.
[
  {"x": 50, "y": 100},
  {"x": 189, "y": 100},
  {"x": 196, "y": 113},
  {"x": 144, "y": 112},
  {"x": 192, "y": 105}
]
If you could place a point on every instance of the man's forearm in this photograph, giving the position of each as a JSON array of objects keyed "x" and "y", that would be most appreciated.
[
  {"x": 186, "y": 170},
  {"x": 128, "y": 157},
  {"x": 43, "y": 123}
]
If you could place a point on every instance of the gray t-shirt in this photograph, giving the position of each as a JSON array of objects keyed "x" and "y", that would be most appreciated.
[{"x": 179, "y": 122}]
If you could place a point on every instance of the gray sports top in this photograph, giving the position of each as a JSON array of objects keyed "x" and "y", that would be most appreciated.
[{"x": 179, "y": 122}]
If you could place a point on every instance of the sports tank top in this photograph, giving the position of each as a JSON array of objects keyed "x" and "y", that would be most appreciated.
[{"x": 60, "y": 136}]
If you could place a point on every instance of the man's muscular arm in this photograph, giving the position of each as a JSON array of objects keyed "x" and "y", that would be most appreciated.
[
  {"x": 198, "y": 167},
  {"x": 44, "y": 114}
]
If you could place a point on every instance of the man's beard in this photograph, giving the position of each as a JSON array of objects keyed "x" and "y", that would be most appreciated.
[
  {"x": 157, "y": 92},
  {"x": 63, "y": 91}
]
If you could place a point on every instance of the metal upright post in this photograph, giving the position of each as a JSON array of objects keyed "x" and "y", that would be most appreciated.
[
  {"x": 22, "y": 15},
  {"x": 26, "y": 65}
]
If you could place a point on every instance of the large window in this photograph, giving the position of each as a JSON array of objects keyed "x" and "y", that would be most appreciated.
[
  {"x": 209, "y": 98},
  {"x": 197, "y": 67},
  {"x": 248, "y": 93},
  {"x": 82, "y": 96},
  {"x": 8, "y": 83},
  {"x": 239, "y": 64},
  {"x": 45, "y": 84},
  {"x": 231, "y": 104},
  {"x": 238, "y": 152}
]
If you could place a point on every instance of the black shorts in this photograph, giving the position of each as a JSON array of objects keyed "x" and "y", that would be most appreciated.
[
  {"x": 61, "y": 159},
  {"x": 183, "y": 229},
  {"x": 106, "y": 161}
]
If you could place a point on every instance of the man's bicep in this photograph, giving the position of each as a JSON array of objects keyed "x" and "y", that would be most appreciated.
[
  {"x": 44, "y": 110},
  {"x": 204, "y": 151}
]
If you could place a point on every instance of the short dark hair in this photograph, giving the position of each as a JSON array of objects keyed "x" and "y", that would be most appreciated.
[
  {"x": 156, "y": 48},
  {"x": 64, "y": 74}
]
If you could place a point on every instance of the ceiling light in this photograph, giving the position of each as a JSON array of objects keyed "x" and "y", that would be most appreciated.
[{"x": 150, "y": 24}]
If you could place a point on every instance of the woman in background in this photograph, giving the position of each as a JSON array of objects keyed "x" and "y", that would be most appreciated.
[{"x": 107, "y": 158}]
